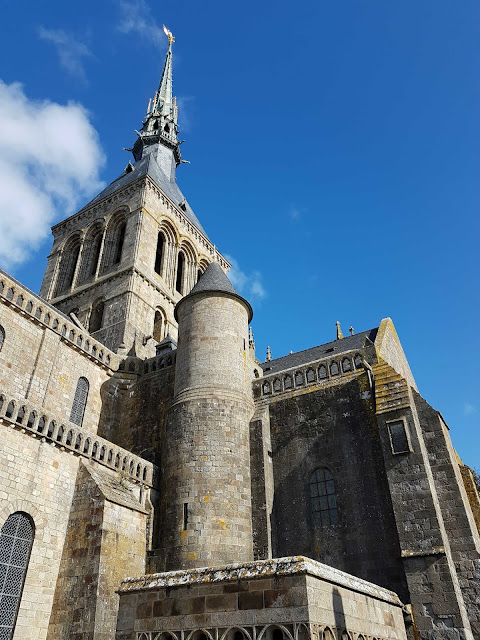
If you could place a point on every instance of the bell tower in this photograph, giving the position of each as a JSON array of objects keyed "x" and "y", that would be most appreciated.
[{"x": 121, "y": 264}]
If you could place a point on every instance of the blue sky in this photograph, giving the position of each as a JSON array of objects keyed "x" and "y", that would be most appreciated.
[{"x": 334, "y": 150}]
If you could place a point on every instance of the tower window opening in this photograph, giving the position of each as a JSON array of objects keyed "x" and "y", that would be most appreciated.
[
  {"x": 120, "y": 241},
  {"x": 96, "y": 317},
  {"x": 97, "y": 243},
  {"x": 180, "y": 270},
  {"x": 2, "y": 337},
  {"x": 158, "y": 326},
  {"x": 322, "y": 497},
  {"x": 166, "y": 128},
  {"x": 68, "y": 266},
  {"x": 79, "y": 401},
  {"x": 185, "y": 515},
  {"x": 16, "y": 541},
  {"x": 277, "y": 634},
  {"x": 159, "y": 253}
]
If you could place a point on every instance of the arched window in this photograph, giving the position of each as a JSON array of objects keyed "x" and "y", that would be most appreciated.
[
  {"x": 68, "y": 265},
  {"x": 96, "y": 316},
  {"x": 91, "y": 253},
  {"x": 158, "y": 326},
  {"x": 16, "y": 540},
  {"x": 322, "y": 497},
  {"x": 79, "y": 402},
  {"x": 159, "y": 254},
  {"x": 120, "y": 241},
  {"x": 322, "y": 372},
  {"x": 2, "y": 337},
  {"x": 180, "y": 269}
]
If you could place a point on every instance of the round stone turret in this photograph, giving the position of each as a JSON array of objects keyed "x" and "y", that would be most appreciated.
[{"x": 206, "y": 502}]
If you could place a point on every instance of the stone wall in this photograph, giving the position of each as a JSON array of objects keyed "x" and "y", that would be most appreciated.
[
  {"x": 300, "y": 598},
  {"x": 44, "y": 354},
  {"x": 429, "y": 565},
  {"x": 334, "y": 428},
  {"x": 39, "y": 480},
  {"x": 105, "y": 539}
]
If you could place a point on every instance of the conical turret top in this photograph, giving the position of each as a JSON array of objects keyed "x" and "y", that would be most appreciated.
[
  {"x": 160, "y": 124},
  {"x": 214, "y": 280}
]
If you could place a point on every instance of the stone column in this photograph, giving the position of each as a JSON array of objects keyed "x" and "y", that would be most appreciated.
[
  {"x": 100, "y": 253},
  {"x": 77, "y": 266}
]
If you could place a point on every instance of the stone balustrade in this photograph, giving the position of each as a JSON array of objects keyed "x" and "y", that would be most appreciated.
[
  {"x": 65, "y": 434},
  {"x": 28, "y": 303},
  {"x": 324, "y": 370}
]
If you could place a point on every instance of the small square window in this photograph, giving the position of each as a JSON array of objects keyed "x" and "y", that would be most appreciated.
[{"x": 398, "y": 437}]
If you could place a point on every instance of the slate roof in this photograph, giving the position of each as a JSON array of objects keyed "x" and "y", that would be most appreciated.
[
  {"x": 334, "y": 348},
  {"x": 149, "y": 166},
  {"x": 214, "y": 279}
]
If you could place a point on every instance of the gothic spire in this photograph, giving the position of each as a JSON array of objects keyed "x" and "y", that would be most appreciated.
[
  {"x": 160, "y": 124},
  {"x": 163, "y": 102}
]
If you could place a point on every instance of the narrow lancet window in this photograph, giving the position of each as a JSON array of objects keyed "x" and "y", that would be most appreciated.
[
  {"x": 159, "y": 254},
  {"x": 96, "y": 317},
  {"x": 79, "y": 402},
  {"x": 158, "y": 326},
  {"x": 120, "y": 241},
  {"x": 180, "y": 269}
]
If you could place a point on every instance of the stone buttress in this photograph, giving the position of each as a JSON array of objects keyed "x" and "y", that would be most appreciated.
[{"x": 205, "y": 487}]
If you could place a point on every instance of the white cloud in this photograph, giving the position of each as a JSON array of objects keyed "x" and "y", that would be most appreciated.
[
  {"x": 248, "y": 285},
  {"x": 49, "y": 161},
  {"x": 469, "y": 409},
  {"x": 71, "y": 52},
  {"x": 136, "y": 17}
]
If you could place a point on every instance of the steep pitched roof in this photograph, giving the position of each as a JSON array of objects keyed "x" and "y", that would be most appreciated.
[
  {"x": 148, "y": 166},
  {"x": 336, "y": 347},
  {"x": 214, "y": 279}
]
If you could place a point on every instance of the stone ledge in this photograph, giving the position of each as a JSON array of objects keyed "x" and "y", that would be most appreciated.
[{"x": 293, "y": 565}]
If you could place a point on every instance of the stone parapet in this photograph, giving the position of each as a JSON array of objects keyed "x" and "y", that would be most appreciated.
[
  {"x": 24, "y": 301},
  {"x": 73, "y": 439},
  {"x": 310, "y": 376}
]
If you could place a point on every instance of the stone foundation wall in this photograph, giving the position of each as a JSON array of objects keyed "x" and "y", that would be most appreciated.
[{"x": 302, "y": 599}]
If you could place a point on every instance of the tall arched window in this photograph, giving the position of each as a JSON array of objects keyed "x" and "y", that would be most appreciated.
[
  {"x": 95, "y": 255},
  {"x": 79, "y": 402},
  {"x": 120, "y": 241},
  {"x": 2, "y": 337},
  {"x": 180, "y": 269},
  {"x": 322, "y": 497},
  {"x": 16, "y": 540},
  {"x": 159, "y": 254},
  {"x": 67, "y": 266},
  {"x": 96, "y": 317}
]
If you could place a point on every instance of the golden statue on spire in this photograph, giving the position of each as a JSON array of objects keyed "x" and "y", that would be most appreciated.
[{"x": 169, "y": 35}]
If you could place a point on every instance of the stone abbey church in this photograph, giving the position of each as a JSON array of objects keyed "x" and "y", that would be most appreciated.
[{"x": 159, "y": 482}]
